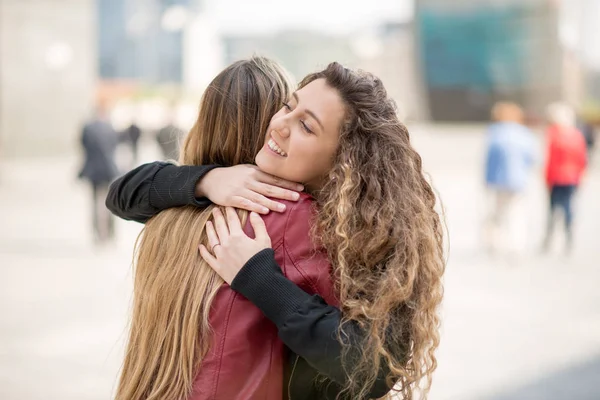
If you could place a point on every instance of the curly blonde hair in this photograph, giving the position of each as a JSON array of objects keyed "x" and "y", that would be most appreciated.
[{"x": 377, "y": 220}]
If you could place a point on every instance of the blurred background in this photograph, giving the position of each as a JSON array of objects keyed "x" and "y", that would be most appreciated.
[{"x": 521, "y": 315}]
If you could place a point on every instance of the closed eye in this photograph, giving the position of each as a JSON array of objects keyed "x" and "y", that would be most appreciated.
[{"x": 305, "y": 127}]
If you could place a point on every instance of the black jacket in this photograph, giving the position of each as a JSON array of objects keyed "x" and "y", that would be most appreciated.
[{"x": 306, "y": 324}]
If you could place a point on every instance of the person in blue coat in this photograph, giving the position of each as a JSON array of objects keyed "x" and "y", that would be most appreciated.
[{"x": 510, "y": 155}]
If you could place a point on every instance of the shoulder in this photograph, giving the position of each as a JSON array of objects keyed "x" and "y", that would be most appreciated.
[
  {"x": 299, "y": 213},
  {"x": 579, "y": 138},
  {"x": 293, "y": 221},
  {"x": 296, "y": 234},
  {"x": 553, "y": 131},
  {"x": 492, "y": 131},
  {"x": 522, "y": 129},
  {"x": 90, "y": 126},
  {"x": 578, "y": 133},
  {"x": 525, "y": 135},
  {"x": 304, "y": 262}
]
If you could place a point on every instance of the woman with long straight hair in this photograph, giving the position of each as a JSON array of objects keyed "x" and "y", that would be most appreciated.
[{"x": 191, "y": 336}]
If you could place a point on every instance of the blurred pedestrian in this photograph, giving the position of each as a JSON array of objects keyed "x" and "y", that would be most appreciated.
[
  {"x": 131, "y": 136},
  {"x": 588, "y": 130},
  {"x": 169, "y": 138},
  {"x": 100, "y": 141},
  {"x": 510, "y": 156},
  {"x": 588, "y": 122},
  {"x": 565, "y": 164}
]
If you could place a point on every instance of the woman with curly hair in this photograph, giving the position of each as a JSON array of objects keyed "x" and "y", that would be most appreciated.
[{"x": 375, "y": 218}]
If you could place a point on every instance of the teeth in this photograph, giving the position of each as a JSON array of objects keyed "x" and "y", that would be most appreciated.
[{"x": 273, "y": 146}]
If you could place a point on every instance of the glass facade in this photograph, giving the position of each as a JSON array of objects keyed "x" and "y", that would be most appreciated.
[{"x": 133, "y": 44}]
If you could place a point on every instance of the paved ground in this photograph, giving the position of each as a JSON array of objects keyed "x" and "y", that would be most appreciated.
[{"x": 526, "y": 328}]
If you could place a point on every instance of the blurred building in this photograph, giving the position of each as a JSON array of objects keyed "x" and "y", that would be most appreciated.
[
  {"x": 47, "y": 75},
  {"x": 301, "y": 52},
  {"x": 142, "y": 40},
  {"x": 203, "y": 52},
  {"x": 475, "y": 52},
  {"x": 386, "y": 50}
]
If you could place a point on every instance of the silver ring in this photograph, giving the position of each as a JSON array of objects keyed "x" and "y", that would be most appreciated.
[{"x": 212, "y": 249}]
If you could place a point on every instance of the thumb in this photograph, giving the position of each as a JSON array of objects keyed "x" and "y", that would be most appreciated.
[{"x": 260, "y": 230}]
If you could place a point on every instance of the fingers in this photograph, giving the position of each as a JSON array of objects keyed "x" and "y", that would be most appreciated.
[
  {"x": 209, "y": 258},
  {"x": 233, "y": 221},
  {"x": 260, "y": 230},
  {"x": 246, "y": 204},
  {"x": 277, "y": 192},
  {"x": 220, "y": 225},
  {"x": 214, "y": 264},
  {"x": 261, "y": 200},
  {"x": 282, "y": 183},
  {"x": 213, "y": 239}
]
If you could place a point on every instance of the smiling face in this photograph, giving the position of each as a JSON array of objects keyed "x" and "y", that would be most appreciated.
[{"x": 303, "y": 136}]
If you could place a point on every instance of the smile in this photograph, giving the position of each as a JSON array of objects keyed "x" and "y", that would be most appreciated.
[{"x": 273, "y": 146}]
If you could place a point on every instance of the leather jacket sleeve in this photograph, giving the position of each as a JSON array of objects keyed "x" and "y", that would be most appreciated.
[
  {"x": 150, "y": 188},
  {"x": 306, "y": 324}
]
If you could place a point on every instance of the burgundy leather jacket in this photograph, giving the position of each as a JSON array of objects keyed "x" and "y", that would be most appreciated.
[{"x": 246, "y": 359}]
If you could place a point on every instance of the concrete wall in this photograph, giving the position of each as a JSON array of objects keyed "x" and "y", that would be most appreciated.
[{"x": 47, "y": 74}]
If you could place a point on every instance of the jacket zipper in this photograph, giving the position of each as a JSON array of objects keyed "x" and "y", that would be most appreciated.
[{"x": 291, "y": 375}]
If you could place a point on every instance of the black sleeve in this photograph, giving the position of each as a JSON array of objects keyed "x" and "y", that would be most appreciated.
[
  {"x": 306, "y": 324},
  {"x": 150, "y": 188}
]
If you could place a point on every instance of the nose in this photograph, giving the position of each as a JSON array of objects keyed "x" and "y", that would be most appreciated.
[
  {"x": 284, "y": 132},
  {"x": 281, "y": 126}
]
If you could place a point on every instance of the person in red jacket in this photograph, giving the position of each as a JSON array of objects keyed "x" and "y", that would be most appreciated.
[{"x": 565, "y": 164}]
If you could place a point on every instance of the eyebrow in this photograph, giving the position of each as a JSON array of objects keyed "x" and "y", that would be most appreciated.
[{"x": 312, "y": 114}]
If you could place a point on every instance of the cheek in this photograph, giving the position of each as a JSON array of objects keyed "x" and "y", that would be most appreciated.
[
  {"x": 318, "y": 161},
  {"x": 326, "y": 151},
  {"x": 327, "y": 159}
]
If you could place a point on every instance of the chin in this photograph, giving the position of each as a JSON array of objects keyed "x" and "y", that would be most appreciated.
[{"x": 263, "y": 163}]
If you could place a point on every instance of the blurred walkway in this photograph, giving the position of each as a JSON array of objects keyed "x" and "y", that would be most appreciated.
[{"x": 511, "y": 328}]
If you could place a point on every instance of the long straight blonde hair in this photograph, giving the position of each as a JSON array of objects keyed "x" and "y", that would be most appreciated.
[{"x": 173, "y": 286}]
